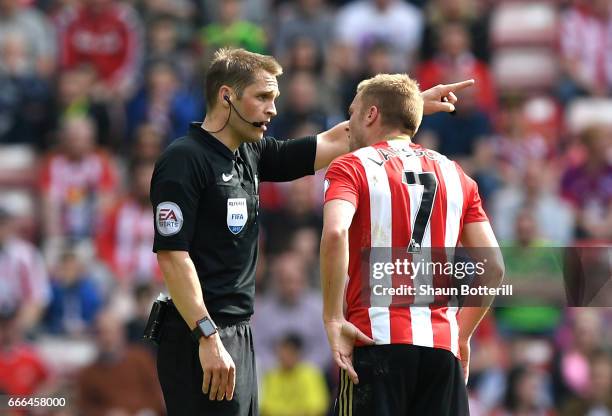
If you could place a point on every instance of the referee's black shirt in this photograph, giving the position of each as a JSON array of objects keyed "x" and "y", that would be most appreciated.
[{"x": 205, "y": 200}]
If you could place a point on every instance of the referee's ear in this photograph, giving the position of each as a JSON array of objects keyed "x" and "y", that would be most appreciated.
[{"x": 224, "y": 96}]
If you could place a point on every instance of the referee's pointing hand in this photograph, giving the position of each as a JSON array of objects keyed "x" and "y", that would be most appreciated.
[
  {"x": 218, "y": 367},
  {"x": 342, "y": 336}
]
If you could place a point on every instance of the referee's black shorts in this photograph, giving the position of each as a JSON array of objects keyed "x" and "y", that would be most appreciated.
[
  {"x": 403, "y": 380},
  {"x": 180, "y": 372}
]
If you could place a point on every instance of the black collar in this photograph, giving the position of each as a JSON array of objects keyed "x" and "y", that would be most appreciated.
[{"x": 196, "y": 131}]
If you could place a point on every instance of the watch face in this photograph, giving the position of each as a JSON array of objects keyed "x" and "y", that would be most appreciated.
[{"x": 207, "y": 327}]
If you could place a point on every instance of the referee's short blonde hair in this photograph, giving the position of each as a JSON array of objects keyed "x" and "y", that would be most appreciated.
[
  {"x": 236, "y": 68},
  {"x": 397, "y": 97}
]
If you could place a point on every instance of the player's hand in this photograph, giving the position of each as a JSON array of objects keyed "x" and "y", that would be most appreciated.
[
  {"x": 342, "y": 336},
  {"x": 464, "y": 350},
  {"x": 218, "y": 367},
  {"x": 442, "y": 97}
]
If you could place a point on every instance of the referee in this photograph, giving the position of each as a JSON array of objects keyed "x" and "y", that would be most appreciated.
[{"x": 204, "y": 192}]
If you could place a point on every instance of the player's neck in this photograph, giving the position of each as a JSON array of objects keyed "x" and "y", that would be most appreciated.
[
  {"x": 395, "y": 134},
  {"x": 405, "y": 137}
]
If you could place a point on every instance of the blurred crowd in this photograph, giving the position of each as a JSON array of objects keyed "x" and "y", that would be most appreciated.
[{"x": 91, "y": 91}]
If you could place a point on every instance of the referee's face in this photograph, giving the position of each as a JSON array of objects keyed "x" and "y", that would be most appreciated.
[{"x": 256, "y": 105}]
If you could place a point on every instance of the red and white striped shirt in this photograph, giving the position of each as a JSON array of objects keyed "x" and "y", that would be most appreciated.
[
  {"x": 125, "y": 240},
  {"x": 586, "y": 38},
  {"x": 75, "y": 188},
  {"x": 23, "y": 275},
  {"x": 404, "y": 195}
]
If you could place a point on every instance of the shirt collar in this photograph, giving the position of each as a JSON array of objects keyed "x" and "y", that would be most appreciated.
[{"x": 196, "y": 131}]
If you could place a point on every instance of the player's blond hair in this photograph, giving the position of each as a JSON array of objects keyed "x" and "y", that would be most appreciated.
[
  {"x": 236, "y": 68},
  {"x": 397, "y": 97}
]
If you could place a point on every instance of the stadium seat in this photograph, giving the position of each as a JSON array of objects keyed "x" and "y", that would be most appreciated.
[
  {"x": 17, "y": 165},
  {"x": 585, "y": 112},
  {"x": 538, "y": 24},
  {"x": 520, "y": 68},
  {"x": 20, "y": 203}
]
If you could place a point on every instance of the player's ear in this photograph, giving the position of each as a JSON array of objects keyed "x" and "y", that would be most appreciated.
[{"x": 372, "y": 115}]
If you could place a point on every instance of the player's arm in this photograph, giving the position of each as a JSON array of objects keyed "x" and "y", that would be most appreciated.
[
  {"x": 334, "y": 257},
  {"x": 479, "y": 235},
  {"x": 337, "y": 218},
  {"x": 334, "y": 142},
  {"x": 479, "y": 240}
]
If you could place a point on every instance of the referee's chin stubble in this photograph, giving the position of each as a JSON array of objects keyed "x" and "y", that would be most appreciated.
[
  {"x": 255, "y": 134},
  {"x": 246, "y": 132}
]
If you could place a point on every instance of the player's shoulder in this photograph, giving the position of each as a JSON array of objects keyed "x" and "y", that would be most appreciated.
[{"x": 347, "y": 161}]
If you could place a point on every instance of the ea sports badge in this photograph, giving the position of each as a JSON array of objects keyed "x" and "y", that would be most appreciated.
[
  {"x": 168, "y": 218},
  {"x": 237, "y": 214}
]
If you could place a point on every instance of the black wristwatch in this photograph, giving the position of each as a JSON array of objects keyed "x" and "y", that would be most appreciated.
[{"x": 205, "y": 327}]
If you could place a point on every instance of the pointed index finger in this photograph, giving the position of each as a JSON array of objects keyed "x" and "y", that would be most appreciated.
[{"x": 457, "y": 86}]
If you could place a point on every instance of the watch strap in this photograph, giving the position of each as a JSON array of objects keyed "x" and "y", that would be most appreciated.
[{"x": 205, "y": 327}]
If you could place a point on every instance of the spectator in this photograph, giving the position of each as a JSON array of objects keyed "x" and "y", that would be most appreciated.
[
  {"x": 176, "y": 9},
  {"x": 342, "y": 69},
  {"x": 586, "y": 55},
  {"x": 147, "y": 144},
  {"x": 301, "y": 208},
  {"x": 400, "y": 24},
  {"x": 588, "y": 186},
  {"x": 525, "y": 394},
  {"x": 77, "y": 184},
  {"x": 473, "y": 16},
  {"x": 144, "y": 295},
  {"x": 571, "y": 372},
  {"x": 24, "y": 283},
  {"x": 230, "y": 30},
  {"x": 37, "y": 34},
  {"x": 75, "y": 300},
  {"x": 106, "y": 34},
  {"x": 301, "y": 106},
  {"x": 455, "y": 59},
  {"x": 305, "y": 243},
  {"x": 598, "y": 399},
  {"x": 516, "y": 144},
  {"x": 310, "y": 19},
  {"x": 485, "y": 170},
  {"x": 534, "y": 191},
  {"x": 290, "y": 306},
  {"x": 294, "y": 387},
  {"x": 22, "y": 370},
  {"x": 534, "y": 270},
  {"x": 74, "y": 99},
  {"x": 122, "y": 379},
  {"x": 303, "y": 54},
  {"x": 164, "y": 45},
  {"x": 25, "y": 98},
  {"x": 163, "y": 102},
  {"x": 126, "y": 237},
  {"x": 377, "y": 60}
]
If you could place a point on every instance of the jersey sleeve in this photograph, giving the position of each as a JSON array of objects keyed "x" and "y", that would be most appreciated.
[
  {"x": 473, "y": 210},
  {"x": 286, "y": 160},
  {"x": 342, "y": 181},
  {"x": 177, "y": 183}
]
